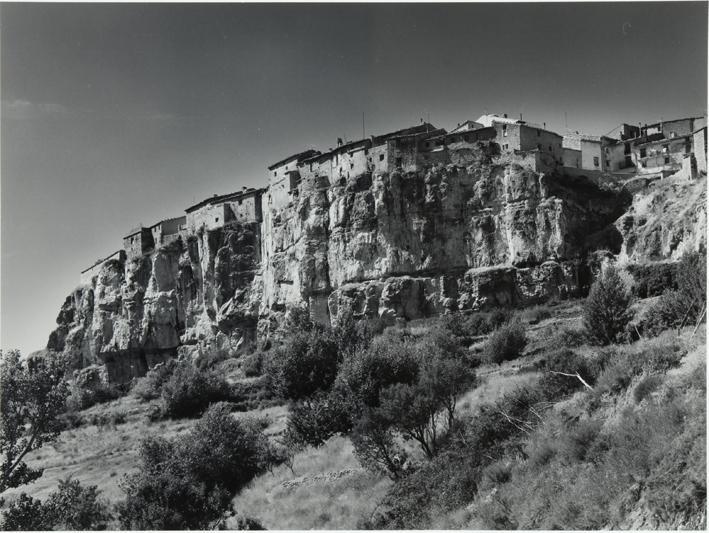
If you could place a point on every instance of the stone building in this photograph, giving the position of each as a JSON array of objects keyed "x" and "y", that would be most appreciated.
[
  {"x": 571, "y": 158},
  {"x": 699, "y": 143},
  {"x": 168, "y": 230},
  {"x": 243, "y": 206},
  {"x": 283, "y": 178},
  {"x": 138, "y": 242},
  {"x": 597, "y": 152},
  {"x": 90, "y": 273}
]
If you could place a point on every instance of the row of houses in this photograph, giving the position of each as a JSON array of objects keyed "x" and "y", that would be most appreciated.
[{"x": 662, "y": 148}]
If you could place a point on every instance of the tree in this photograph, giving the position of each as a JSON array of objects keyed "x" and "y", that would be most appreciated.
[
  {"x": 607, "y": 310},
  {"x": 70, "y": 507},
  {"x": 188, "y": 483},
  {"x": 34, "y": 393}
]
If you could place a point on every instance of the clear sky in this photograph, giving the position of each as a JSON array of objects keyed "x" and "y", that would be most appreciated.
[{"x": 114, "y": 115}]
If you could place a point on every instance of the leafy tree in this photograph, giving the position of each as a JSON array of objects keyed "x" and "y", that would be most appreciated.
[
  {"x": 506, "y": 343},
  {"x": 306, "y": 363},
  {"x": 34, "y": 393},
  {"x": 70, "y": 507},
  {"x": 607, "y": 310},
  {"x": 188, "y": 483}
]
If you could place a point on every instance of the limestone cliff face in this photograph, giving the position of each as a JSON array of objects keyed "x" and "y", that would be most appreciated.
[
  {"x": 665, "y": 220},
  {"x": 398, "y": 245}
]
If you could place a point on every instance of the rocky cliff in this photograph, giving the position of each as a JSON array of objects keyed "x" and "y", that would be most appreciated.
[{"x": 400, "y": 246}]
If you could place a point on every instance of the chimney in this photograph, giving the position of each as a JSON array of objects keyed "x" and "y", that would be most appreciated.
[
  {"x": 339, "y": 141},
  {"x": 505, "y": 115},
  {"x": 545, "y": 125}
]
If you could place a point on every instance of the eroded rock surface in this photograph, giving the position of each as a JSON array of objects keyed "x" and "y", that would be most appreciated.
[{"x": 470, "y": 236}]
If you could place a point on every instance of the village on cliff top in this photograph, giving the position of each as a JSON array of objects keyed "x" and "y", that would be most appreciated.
[{"x": 648, "y": 152}]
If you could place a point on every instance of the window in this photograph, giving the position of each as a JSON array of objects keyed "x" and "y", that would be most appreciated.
[
  {"x": 275, "y": 173},
  {"x": 644, "y": 164},
  {"x": 667, "y": 160},
  {"x": 673, "y": 135},
  {"x": 311, "y": 167},
  {"x": 608, "y": 163},
  {"x": 505, "y": 146},
  {"x": 428, "y": 145},
  {"x": 216, "y": 219},
  {"x": 398, "y": 161},
  {"x": 381, "y": 157},
  {"x": 666, "y": 149},
  {"x": 539, "y": 133},
  {"x": 643, "y": 152},
  {"x": 504, "y": 130},
  {"x": 351, "y": 166},
  {"x": 539, "y": 146},
  {"x": 595, "y": 161},
  {"x": 366, "y": 151},
  {"x": 466, "y": 138},
  {"x": 550, "y": 148}
]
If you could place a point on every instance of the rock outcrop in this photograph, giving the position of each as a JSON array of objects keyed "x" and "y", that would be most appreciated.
[{"x": 482, "y": 233}]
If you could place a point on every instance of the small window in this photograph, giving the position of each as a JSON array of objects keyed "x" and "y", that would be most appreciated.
[
  {"x": 311, "y": 167},
  {"x": 428, "y": 145},
  {"x": 667, "y": 159},
  {"x": 643, "y": 152},
  {"x": 275, "y": 173},
  {"x": 608, "y": 163},
  {"x": 644, "y": 164},
  {"x": 240, "y": 202},
  {"x": 366, "y": 151},
  {"x": 381, "y": 157},
  {"x": 398, "y": 162},
  {"x": 666, "y": 149},
  {"x": 539, "y": 133},
  {"x": 505, "y": 146},
  {"x": 504, "y": 130},
  {"x": 550, "y": 148},
  {"x": 451, "y": 140},
  {"x": 595, "y": 161},
  {"x": 216, "y": 219},
  {"x": 673, "y": 135},
  {"x": 466, "y": 138},
  {"x": 539, "y": 146},
  {"x": 351, "y": 166}
]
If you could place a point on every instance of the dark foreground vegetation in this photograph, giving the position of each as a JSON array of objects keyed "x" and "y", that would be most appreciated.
[{"x": 610, "y": 435}]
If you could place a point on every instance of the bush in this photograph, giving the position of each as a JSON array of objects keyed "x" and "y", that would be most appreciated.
[
  {"x": 653, "y": 279},
  {"x": 607, "y": 310},
  {"x": 555, "y": 384},
  {"x": 189, "y": 391},
  {"x": 537, "y": 314},
  {"x": 188, "y": 483},
  {"x": 70, "y": 507},
  {"x": 305, "y": 364},
  {"x": 313, "y": 420},
  {"x": 252, "y": 364},
  {"x": 149, "y": 387},
  {"x": 505, "y": 344}
]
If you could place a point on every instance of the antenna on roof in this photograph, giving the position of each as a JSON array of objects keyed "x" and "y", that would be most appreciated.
[
  {"x": 566, "y": 122},
  {"x": 363, "y": 125}
]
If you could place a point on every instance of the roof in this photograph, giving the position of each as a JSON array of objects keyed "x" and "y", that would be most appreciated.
[
  {"x": 467, "y": 126},
  {"x": 173, "y": 219},
  {"x": 218, "y": 199},
  {"x": 100, "y": 261},
  {"x": 299, "y": 157},
  {"x": 670, "y": 121},
  {"x": 135, "y": 231},
  {"x": 489, "y": 119},
  {"x": 405, "y": 132}
]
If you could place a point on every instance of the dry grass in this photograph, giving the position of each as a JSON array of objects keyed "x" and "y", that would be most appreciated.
[{"x": 326, "y": 490}]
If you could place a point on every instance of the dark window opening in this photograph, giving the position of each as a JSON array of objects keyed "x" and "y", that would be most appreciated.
[
  {"x": 381, "y": 157},
  {"x": 398, "y": 161},
  {"x": 643, "y": 152},
  {"x": 351, "y": 165},
  {"x": 466, "y": 138},
  {"x": 275, "y": 173},
  {"x": 667, "y": 159},
  {"x": 595, "y": 161},
  {"x": 539, "y": 133},
  {"x": 504, "y": 130}
]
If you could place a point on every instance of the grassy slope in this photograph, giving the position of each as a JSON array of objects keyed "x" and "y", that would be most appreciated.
[{"x": 327, "y": 488}]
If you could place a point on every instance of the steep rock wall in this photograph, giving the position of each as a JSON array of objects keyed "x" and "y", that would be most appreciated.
[{"x": 401, "y": 246}]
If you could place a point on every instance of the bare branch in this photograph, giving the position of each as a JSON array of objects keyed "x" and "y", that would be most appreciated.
[{"x": 576, "y": 375}]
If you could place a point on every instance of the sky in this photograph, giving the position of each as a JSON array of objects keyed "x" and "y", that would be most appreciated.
[{"x": 119, "y": 114}]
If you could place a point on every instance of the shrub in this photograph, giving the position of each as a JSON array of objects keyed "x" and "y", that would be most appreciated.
[
  {"x": 313, "y": 420},
  {"x": 653, "y": 279},
  {"x": 646, "y": 387},
  {"x": 188, "y": 483},
  {"x": 505, "y": 344},
  {"x": 149, "y": 387},
  {"x": 189, "y": 391},
  {"x": 537, "y": 314},
  {"x": 499, "y": 317},
  {"x": 70, "y": 507},
  {"x": 306, "y": 363},
  {"x": 555, "y": 383},
  {"x": 607, "y": 309},
  {"x": 252, "y": 364}
]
